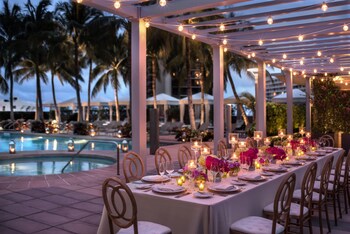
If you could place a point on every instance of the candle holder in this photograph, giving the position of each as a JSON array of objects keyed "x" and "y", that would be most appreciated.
[
  {"x": 281, "y": 133},
  {"x": 70, "y": 145},
  {"x": 290, "y": 137},
  {"x": 267, "y": 141},
  {"x": 12, "y": 147},
  {"x": 233, "y": 139},
  {"x": 301, "y": 131},
  {"x": 205, "y": 151},
  {"x": 258, "y": 137},
  {"x": 196, "y": 145},
  {"x": 125, "y": 146}
]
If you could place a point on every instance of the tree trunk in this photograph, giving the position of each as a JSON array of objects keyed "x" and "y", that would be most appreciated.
[
  {"x": 116, "y": 100},
  {"x": 202, "y": 95},
  {"x": 12, "y": 115},
  {"x": 154, "y": 80},
  {"x": 38, "y": 95},
  {"x": 77, "y": 89},
  {"x": 189, "y": 85},
  {"x": 57, "y": 110},
  {"x": 87, "y": 114},
  {"x": 239, "y": 103}
]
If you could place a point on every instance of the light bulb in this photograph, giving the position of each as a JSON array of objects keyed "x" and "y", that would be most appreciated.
[
  {"x": 116, "y": 4},
  {"x": 315, "y": 70},
  {"x": 300, "y": 37},
  {"x": 194, "y": 36},
  {"x": 341, "y": 68},
  {"x": 273, "y": 60},
  {"x": 253, "y": 54},
  {"x": 225, "y": 49},
  {"x": 324, "y": 6},
  {"x": 301, "y": 62},
  {"x": 331, "y": 60},
  {"x": 162, "y": 2},
  {"x": 322, "y": 79},
  {"x": 303, "y": 72},
  {"x": 319, "y": 53},
  {"x": 147, "y": 24},
  {"x": 325, "y": 74},
  {"x": 224, "y": 42},
  {"x": 345, "y": 27},
  {"x": 249, "y": 56},
  {"x": 268, "y": 65},
  {"x": 222, "y": 27},
  {"x": 79, "y": 1},
  {"x": 346, "y": 83},
  {"x": 282, "y": 68},
  {"x": 284, "y": 56},
  {"x": 180, "y": 28},
  {"x": 270, "y": 20},
  {"x": 261, "y": 42}
]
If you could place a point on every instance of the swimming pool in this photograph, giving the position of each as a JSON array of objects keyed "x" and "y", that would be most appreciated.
[
  {"x": 26, "y": 142},
  {"x": 46, "y": 165}
]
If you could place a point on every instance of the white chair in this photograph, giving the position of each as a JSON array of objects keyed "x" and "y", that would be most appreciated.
[{"x": 281, "y": 209}]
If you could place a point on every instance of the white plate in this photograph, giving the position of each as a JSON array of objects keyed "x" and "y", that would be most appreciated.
[
  {"x": 308, "y": 158},
  {"x": 155, "y": 178},
  {"x": 267, "y": 173},
  {"x": 230, "y": 189},
  {"x": 259, "y": 179},
  {"x": 292, "y": 163},
  {"x": 180, "y": 171},
  {"x": 138, "y": 182},
  {"x": 168, "y": 189},
  {"x": 202, "y": 195},
  {"x": 143, "y": 186},
  {"x": 238, "y": 182},
  {"x": 275, "y": 169}
]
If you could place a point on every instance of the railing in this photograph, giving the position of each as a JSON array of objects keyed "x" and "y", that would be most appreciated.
[
  {"x": 95, "y": 141},
  {"x": 10, "y": 124}
]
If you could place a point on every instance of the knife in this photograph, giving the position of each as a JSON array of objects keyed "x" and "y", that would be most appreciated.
[{"x": 182, "y": 195}]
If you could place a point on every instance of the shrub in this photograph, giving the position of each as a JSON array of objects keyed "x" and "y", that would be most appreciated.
[
  {"x": 80, "y": 128},
  {"x": 185, "y": 134},
  {"x": 37, "y": 126}
]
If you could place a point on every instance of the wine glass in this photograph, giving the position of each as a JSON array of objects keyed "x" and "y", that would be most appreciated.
[
  {"x": 214, "y": 171},
  {"x": 226, "y": 155},
  {"x": 169, "y": 168},
  {"x": 161, "y": 169}
]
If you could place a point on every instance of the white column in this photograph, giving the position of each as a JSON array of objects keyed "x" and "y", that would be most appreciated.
[
  {"x": 182, "y": 112},
  {"x": 110, "y": 113},
  {"x": 138, "y": 89},
  {"x": 84, "y": 114},
  {"x": 289, "y": 87},
  {"x": 308, "y": 104},
  {"x": 207, "y": 112},
  {"x": 261, "y": 98},
  {"x": 218, "y": 93}
]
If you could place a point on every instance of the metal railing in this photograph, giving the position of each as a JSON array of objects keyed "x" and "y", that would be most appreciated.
[{"x": 96, "y": 141}]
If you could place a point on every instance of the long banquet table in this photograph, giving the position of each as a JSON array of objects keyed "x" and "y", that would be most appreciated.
[{"x": 190, "y": 215}]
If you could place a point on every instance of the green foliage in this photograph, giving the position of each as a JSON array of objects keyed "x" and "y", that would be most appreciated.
[
  {"x": 81, "y": 128},
  {"x": 331, "y": 107},
  {"x": 185, "y": 134},
  {"x": 38, "y": 126}
]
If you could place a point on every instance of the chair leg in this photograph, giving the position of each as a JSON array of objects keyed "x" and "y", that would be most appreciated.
[
  {"x": 310, "y": 225},
  {"x": 320, "y": 217},
  {"x": 345, "y": 192},
  {"x": 339, "y": 207},
  {"x": 327, "y": 217},
  {"x": 335, "y": 210}
]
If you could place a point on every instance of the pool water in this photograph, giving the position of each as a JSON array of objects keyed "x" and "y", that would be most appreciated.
[
  {"x": 40, "y": 143},
  {"x": 46, "y": 165}
]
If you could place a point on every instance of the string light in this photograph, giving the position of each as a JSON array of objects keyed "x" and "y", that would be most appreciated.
[
  {"x": 162, "y": 3},
  {"x": 345, "y": 27},
  {"x": 225, "y": 49},
  {"x": 300, "y": 37},
  {"x": 79, "y": 1},
  {"x": 273, "y": 60},
  {"x": 324, "y": 6},
  {"x": 268, "y": 65},
  {"x": 282, "y": 68},
  {"x": 194, "y": 36},
  {"x": 180, "y": 28},
  {"x": 224, "y": 42},
  {"x": 301, "y": 62},
  {"x": 116, "y": 4},
  {"x": 319, "y": 53},
  {"x": 315, "y": 70},
  {"x": 346, "y": 83},
  {"x": 284, "y": 56},
  {"x": 303, "y": 72},
  {"x": 290, "y": 69},
  {"x": 322, "y": 79},
  {"x": 147, "y": 24},
  {"x": 261, "y": 42},
  {"x": 269, "y": 20},
  {"x": 325, "y": 74},
  {"x": 249, "y": 56},
  {"x": 222, "y": 27},
  {"x": 253, "y": 54},
  {"x": 341, "y": 68},
  {"x": 331, "y": 60}
]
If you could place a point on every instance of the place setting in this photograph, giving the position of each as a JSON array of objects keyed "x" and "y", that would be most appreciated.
[{"x": 275, "y": 168}]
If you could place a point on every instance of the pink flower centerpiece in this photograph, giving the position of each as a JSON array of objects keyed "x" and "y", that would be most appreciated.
[
  {"x": 277, "y": 153},
  {"x": 221, "y": 165},
  {"x": 249, "y": 155}
]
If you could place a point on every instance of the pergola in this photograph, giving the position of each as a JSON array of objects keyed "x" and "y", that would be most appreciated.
[{"x": 303, "y": 38}]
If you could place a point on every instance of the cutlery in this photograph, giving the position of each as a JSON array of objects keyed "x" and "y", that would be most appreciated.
[
  {"x": 182, "y": 194},
  {"x": 146, "y": 190}
]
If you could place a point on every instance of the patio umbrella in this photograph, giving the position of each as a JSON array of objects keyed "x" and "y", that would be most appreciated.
[{"x": 298, "y": 97}]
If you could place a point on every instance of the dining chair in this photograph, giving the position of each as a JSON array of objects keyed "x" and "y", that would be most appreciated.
[
  {"x": 222, "y": 147},
  {"x": 327, "y": 140},
  {"x": 161, "y": 155},
  {"x": 300, "y": 209},
  {"x": 333, "y": 187},
  {"x": 344, "y": 183},
  {"x": 281, "y": 209},
  {"x": 250, "y": 143},
  {"x": 133, "y": 167},
  {"x": 183, "y": 155},
  {"x": 121, "y": 209}
]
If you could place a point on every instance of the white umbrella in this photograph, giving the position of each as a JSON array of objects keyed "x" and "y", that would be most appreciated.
[{"x": 298, "y": 97}]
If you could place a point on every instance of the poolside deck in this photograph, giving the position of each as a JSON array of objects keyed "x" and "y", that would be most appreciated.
[{"x": 70, "y": 203}]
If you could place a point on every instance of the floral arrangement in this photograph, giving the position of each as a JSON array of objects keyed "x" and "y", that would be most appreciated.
[
  {"x": 198, "y": 175},
  {"x": 250, "y": 154},
  {"x": 220, "y": 164},
  {"x": 277, "y": 153}
]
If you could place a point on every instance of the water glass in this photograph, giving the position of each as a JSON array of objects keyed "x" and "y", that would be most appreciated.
[{"x": 169, "y": 167}]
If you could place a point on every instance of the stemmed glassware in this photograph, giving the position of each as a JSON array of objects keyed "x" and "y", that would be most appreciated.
[
  {"x": 214, "y": 169},
  {"x": 196, "y": 145},
  {"x": 169, "y": 167}
]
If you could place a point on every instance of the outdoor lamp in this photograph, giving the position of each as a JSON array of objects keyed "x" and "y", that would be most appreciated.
[
  {"x": 70, "y": 145},
  {"x": 119, "y": 134},
  {"x": 92, "y": 132},
  {"x": 233, "y": 138},
  {"x": 125, "y": 146},
  {"x": 12, "y": 147},
  {"x": 47, "y": 130}
]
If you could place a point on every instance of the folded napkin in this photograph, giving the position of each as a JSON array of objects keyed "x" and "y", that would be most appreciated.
[
  {"x": 251, "y": 176},
  {"x": 223, "y": 186},
  {"x": 143, "y": 186},
  {"x": 156, "y": 178},
  {"x": 169, "y": 188},
  {"x": 291, "y": 162}
]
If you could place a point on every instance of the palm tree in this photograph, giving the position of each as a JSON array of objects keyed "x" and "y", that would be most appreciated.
[
  {"x": 10, "y": 28},
  {"x": 248, "y": 100},
  {"x": 110, "y": 68},
  {"x": 75, "y": 17}
]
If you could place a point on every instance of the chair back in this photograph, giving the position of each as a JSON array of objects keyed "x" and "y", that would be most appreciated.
[
  {"x": 120, "y": 204},
  {"x": 133, "y": 167},
  {"x": 250, "y": 143},
  {"x": 183, "y": 155},
  {"x": 222, "y": 148},
  {"x": 337, "y": 172},
  {"x": 346, "y": 171},
  {"x": 161, "y": 156},
  {"x": 326, "y": 140},
  {"x": 307, "y": 187},
  {"x": 325, "y": 173},
  {"x": 282, "y": 202}
]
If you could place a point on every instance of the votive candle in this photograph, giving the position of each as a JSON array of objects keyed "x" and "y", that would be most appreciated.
[
  {"x": 179, "y": 182},
  {"x": 201, "y": 187}
]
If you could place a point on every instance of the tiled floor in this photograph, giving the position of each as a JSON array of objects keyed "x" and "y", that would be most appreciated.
[{"x": 69, "y": 203}]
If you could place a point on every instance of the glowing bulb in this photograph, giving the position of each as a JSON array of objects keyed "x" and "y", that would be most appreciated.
[
  {"x": 349, "y": 72},
  {"x": 270, "y": 20},
  {"x": 341, "y": 69},
  {"x": 284, "y": 56},
  {"x": 249, "y": 56},
  {"x": 222, "y": 27},
  {"x": 300, "y": 37},
  {"x": 290, "y": 69},
  {"x": 225, "y": 49},
  {"x": 331, "y": 60},
  {"x": 273, "y": 60},
  {"x": 162, "y": 2},
  {"x": 147, "y": 24},
  {"x": 345, "y": 27},
  {"x": 315, "y": 70},
  {"x": 319, "y": 53},
  {"x": 304, "y": 76},
  {"x": 346, "y": 83},
  {"x": 180, "y": 28},
  {"x": 303, "y": 72},
  {"x": 224, "y": 42},
  {"x": 282, "y": 68},
  {"x": 194, "y": 36},
  {"x": 79, "y": 1},
  {"x": 324, "y": 6},
  {"x": 253, "y": 54},
  {"x": 261, "y": 42},
  {"x": 322, "y": 79},
  {"x": 116, "y": 4},
  {"x": 301, "y": 62},
  {"x": 325, "y": 74}
]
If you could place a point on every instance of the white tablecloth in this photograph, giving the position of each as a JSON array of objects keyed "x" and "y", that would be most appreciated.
[{"x": 189, "y": 215}]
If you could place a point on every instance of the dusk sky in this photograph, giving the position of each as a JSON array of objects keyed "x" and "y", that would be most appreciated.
[{"x": 26, "y": 91}]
